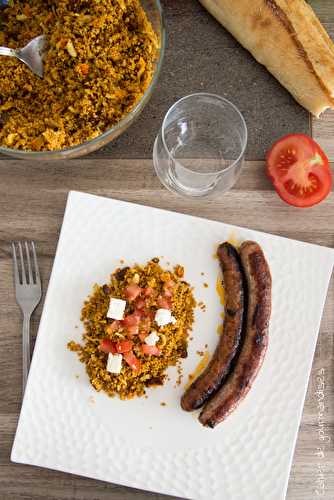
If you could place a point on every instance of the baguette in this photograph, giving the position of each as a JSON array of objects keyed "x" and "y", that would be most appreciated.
[{"x": 288, "y": 39}]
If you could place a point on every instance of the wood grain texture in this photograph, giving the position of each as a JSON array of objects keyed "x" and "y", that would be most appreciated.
[
  {"x": 324, "y": 10},
  {"x": 323, "y": 132},
  {"x": 32, "y": 201}
]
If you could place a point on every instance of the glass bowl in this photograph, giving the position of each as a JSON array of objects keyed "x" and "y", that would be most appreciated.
[{"x": 155, "y": 15}]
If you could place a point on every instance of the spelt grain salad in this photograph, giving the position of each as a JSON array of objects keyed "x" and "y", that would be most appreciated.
[
  {"x": 136, "y": 326},
  {"x": 99, "y": 63}
]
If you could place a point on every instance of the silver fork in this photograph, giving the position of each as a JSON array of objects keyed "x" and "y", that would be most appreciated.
[
  {"x": 32, "y": 54},
  {"x": 28, "y": 292}
]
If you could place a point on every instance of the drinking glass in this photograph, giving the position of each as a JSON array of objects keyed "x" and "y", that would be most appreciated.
[{"x": 201, "y": 145}]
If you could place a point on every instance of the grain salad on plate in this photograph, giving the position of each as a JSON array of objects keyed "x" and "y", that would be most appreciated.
[
  {"x": 99, "y": 63},
  {"x": 136, "y": 326}
]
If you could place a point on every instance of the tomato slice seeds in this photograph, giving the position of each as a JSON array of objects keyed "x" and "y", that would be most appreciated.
[{"x": 299, "y": 170}]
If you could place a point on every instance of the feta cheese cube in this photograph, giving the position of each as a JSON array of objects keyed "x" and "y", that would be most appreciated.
[
  {"x": 114, "y": 363},
  {"x": 152, "y": 338},
  {"x": 116, "y": 308},
  {"x": 164, "y": 317}
]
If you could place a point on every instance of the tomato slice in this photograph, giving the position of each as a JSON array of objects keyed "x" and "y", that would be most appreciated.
[
  {"x": 132, "y": 361},
  {"x": 299, "y": 170}
]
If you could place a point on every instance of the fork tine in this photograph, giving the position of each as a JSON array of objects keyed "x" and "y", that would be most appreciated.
[
  {"x": 15, "y": 267},
  {"x": 31, "y": 279},
  {"x": 38, "y": 278},
  {"x": 23, "y": 270}
]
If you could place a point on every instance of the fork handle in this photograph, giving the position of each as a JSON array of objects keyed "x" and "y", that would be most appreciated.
[
  {"x": 25, "y": 349},
  {"x": 6, "y": 51}
]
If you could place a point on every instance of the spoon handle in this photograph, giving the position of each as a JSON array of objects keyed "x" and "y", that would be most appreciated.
[{"x": 6, "y": 51}]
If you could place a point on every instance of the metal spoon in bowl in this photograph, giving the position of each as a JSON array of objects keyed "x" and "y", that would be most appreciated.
[{"x": 31, "y": 55}]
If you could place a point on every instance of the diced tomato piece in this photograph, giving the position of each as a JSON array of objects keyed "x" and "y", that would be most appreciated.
[
  {"x": 124, "y": 346},
  {"x": 131, "y": 292},
  {"x": 141, "y": 313},
  {"x": 147, "y": 292},
  {"x": 151, "y": 350},
  {"x": 168, "y": 289},
  {"x": 146, "y": 313},
  {"x": 143, "y": 336},
  {"x": 150, "y": 314},
  {"x": 170, "y": 284},
  {"x": 113, "y": 327},
  {"x": 106, "y": 345},
  {"x": 164, "y": 302},
  {"x": 131, "y": 319},
  {"x": 140, "y": 304},
  {"x": 168, "y": 293},
  {"x": 132, "y": 330},
  {"x": 84, "y": 69},
  {"x": 132, "y": 360}
]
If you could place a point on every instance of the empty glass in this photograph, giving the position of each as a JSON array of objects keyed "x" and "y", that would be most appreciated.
[{"x": 201, "y": 145}]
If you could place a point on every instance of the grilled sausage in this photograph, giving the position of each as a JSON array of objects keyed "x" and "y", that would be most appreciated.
[
  {"x": 210, "y": 380},
  {"x": 255, "y": 338}
]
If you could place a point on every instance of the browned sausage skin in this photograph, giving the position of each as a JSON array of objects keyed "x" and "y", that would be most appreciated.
[
  {"x": 255, "y": 339},
  {"x": 210, "y": 380}
]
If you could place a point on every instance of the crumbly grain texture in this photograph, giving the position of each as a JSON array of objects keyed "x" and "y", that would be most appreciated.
[
  {"x": 100, "y": 61},
  {"x": 173, "y": 338}
]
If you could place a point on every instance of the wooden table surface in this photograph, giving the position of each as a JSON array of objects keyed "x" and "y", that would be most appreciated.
[{"x": 32, "y": 202}]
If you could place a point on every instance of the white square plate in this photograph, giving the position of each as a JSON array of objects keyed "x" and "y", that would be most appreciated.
[{"x": 66, "y": 425}]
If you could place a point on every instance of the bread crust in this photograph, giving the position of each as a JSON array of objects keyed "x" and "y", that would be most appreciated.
[{"x": 288, "y": 39}]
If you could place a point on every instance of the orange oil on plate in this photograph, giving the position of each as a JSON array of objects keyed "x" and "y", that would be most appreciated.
[
  {"x": 199, "y": 368},
  {"x": 234, "y": 240}
]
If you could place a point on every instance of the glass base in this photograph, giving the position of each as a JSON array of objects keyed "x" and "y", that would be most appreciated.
[{"x": 174, "y": 177}]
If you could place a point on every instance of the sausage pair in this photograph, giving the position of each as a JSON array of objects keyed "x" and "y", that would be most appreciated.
[{"x": 241, "y": 349}]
